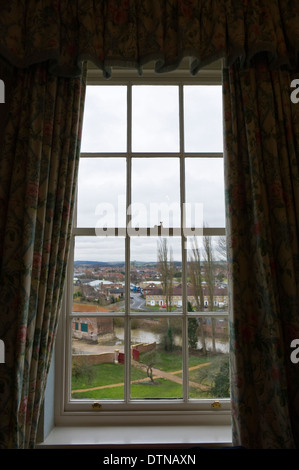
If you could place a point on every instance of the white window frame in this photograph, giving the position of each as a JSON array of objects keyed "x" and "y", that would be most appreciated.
[{"x": 85, "y": 412}]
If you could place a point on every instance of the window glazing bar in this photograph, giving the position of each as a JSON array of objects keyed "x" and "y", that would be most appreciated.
[
  {"x": 145, "y": 231},
  {"x": 127, "y": 333},
  {"x": 183, "y": 246},
  {"x": 152, "y": 154}
]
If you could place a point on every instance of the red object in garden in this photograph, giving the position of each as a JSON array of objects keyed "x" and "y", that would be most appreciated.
[
  {"x": 121, "y": 358},
  {"x": 135, "y": 354}
]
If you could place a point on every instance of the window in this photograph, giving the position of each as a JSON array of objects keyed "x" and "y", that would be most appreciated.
[{"x": 145, "y": 329}]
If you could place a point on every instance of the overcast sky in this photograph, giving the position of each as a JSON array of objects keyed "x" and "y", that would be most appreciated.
[{"x": 155, "y": 181}]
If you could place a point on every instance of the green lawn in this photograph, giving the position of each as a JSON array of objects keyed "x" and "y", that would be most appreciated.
[
  {"x": 115, "y": 393},
  {"x": 172, "y": 362},
  {"x": 161, "y": 389},
  {"x": 101, "y": 375}
]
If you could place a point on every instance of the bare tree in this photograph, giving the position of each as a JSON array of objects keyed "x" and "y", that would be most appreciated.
[
  {"x": 196, "y": 282},
  {"x": 166, "y": 271},
  {"x": 221, "y": 248},
  {"x": 209, "y": 269},
  {"x": 196, "y": 276},
  {"x": 135, "y": 276},
  {"x": 210, "y": 278},
  {"x": 148, "y": 361}
]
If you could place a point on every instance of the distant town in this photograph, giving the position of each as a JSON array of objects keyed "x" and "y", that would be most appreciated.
[{"x": 103, "y": 284}]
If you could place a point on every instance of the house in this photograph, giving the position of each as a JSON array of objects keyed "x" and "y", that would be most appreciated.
[
  {"x": 116, "y": 293},
  {"x": 154, "y": 296},
  {"x": 89, "y": 328}
]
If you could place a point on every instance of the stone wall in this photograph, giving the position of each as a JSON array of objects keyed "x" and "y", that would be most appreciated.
[
  {"x": 92, "y": 359},
  {"x": 109, "y": 357},
  {"x": 144, "y": 347}
]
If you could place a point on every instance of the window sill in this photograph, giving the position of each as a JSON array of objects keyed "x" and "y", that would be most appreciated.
[{"x": 107, "y": 437}]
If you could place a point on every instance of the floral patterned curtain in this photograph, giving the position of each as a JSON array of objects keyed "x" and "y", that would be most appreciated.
[
  {"x": 44, "y": 43},
  {"x": 38, "y": 169},
  {"x": 130, "y": 33},
  {"x": 262, "y": 194}
]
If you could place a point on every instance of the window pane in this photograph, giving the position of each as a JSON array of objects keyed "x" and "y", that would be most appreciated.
[
  {"x": 99, "y": 275},
  {"x": 207, "y": 273},
  {"x": 102, "y": 193},
  {"x": 97, "y": 352},
  {"x": 104, "y": 123},
  {"x": 156, "y": 346},
  {"x": 155, "y": 192},
  {"x": 208, "y": 357},
  {"x": 155, "y": 119},
  {"x": 203, "y": 118},
  {"x": 208, "y": 335},
  {"x": 156, "y": 274},
  {"x": 205, "y": 192}
]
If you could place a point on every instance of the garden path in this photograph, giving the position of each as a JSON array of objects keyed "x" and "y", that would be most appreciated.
[{"x": 157, "y": 373}]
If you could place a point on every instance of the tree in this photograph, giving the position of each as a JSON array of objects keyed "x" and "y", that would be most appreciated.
[
  {"x": 166, "y": 271},
  {"x": 196, "y": 276},
  {"x": 148, "y": 360},
  {"x": 192, "y": 329},
  {"x": 210, "y": 278},
  {"x": 221, "y": 387},
  {"x": 168, "y": 340},
  {"x": 209, "y": 269},
  {"x": 196, "y": 282},
  {"x": 135, "y": 276},
  {"x": 221, "y": 248}
]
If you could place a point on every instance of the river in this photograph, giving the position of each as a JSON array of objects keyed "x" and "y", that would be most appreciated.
[{"x": 144, "y": 336}]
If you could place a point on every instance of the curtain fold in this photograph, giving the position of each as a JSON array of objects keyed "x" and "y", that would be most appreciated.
[
  {"x": 262, "y": 195},
  {"x": 38, "y": 174},
  {"x": 131, "y": 33}
]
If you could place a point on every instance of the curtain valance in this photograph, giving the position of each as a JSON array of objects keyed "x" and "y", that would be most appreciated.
[{"x": 134, "y": 32}]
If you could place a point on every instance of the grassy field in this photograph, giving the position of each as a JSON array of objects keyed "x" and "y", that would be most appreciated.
[
  {"x": 102, "y": 375},
  {"x": 171, "y": 362},
  {"x": 105, "y": 381},
  {"x": 161, "y": 389}
]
